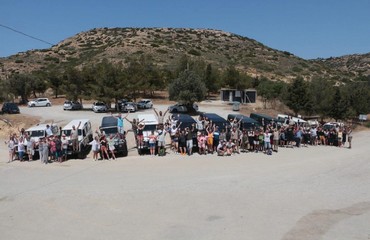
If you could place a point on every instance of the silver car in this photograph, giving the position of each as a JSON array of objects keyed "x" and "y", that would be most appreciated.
[
  {"x": 72, "y": 105},
  {"x": 99, "y": 107}
]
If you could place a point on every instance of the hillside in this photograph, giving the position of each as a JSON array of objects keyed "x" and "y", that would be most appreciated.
[
  {"x": 354, "y": 64},
  {"x": 167, "y": 46}
]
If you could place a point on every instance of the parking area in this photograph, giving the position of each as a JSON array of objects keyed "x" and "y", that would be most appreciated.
[{"x": 308, "y": 193}]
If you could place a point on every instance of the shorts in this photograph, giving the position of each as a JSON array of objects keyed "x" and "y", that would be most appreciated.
[
  {"x": 111, "y": 147},
  {"x": 120, "y": 130},
  {"x": 182, "y": 144},
  {"x": 58, "y": 154},
  {"x": 151, "y": 145},
  {"x": 160, "y": 143},
  {"x": 65, "y": 152},
  {"x": 20, "y": 155},
  {"x": 31, "y": 152},
  {"x": 349, "y": 138}
]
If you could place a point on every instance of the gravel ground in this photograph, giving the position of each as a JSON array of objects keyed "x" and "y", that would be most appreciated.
[{"x": 307, "y": 193}]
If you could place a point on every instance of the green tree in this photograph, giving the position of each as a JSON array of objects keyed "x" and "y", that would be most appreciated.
[
  {"x": 270, "y": 91},
  {"x": 321, "y": 93},
  {"x": 55, "y": 82},
  {"x": 187, "y": 88},
  {"x": 75, "y": 86},
  {"x": 211, "y": 79},
  {"x": 297, "y": 97},
  {"x": 339, "y": 106},
  {"x": 18, "y": 85},
  {"x": 232, "y": 78}
]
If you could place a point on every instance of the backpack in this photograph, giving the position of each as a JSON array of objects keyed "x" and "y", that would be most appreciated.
[
  {"x": 162, "y": 152},
  {"x": 269, "y": 152}
]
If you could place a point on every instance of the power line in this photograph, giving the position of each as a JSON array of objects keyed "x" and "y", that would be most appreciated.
[{"x": 25, "y": 34}]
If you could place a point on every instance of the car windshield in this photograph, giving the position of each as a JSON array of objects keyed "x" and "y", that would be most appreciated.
[
  {"x": 68, "y": 132},
  {"x": 110, "y": 130},
  {"x": 36, "y": 133},
  {"x": 99, "y": 104},
  {"x": 67, "y": 102},
  {"x": 150, "y": 127}
]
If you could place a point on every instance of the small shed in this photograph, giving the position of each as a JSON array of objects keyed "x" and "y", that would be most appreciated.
[{"x": 235, "y": 95}]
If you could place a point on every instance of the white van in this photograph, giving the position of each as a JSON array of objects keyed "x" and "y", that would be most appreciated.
[
  {"x": 85, "y": 136},
  {"x": 285, "y": 118},
  {"x": 39, "y": 131},
  {"x": 151, "y": 122}
]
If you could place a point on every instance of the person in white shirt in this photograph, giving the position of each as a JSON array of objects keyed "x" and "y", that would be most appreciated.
[
  {"x": 95, "y": 147},
  {"x": 11, "y": 146}
]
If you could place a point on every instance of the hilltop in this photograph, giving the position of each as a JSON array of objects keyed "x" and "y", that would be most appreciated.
[{"x": 166, "y": 46}]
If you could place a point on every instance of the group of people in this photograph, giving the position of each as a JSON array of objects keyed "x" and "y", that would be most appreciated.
[
  {"x": 50, "y": 148},
  {"x": 204, "y": 136},
  {"x": 231, "y": 138}
]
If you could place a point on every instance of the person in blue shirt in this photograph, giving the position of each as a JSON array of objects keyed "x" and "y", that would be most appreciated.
[
  {"x": 120, "y": 126},
  {"x": 298, "y": 137}
]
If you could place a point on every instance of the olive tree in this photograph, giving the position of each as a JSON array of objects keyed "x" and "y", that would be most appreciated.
[{"x": 187, "y": 88}]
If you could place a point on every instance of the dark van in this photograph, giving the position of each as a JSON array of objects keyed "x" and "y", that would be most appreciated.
[
  {"x": 185, "y": 120},
  {"x": 259, "y": 117},
  {"x": 246, "y": 123},
  {"x": 217, "y": 119}
]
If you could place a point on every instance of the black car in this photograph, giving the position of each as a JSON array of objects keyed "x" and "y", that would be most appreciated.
[
  {"x": 216, "y": 119},
  {"x": 109, "y": 126},
  {"x": 246, "y": 122},
  {"x": 9, "y": 107},
  {"x": 185, "y": 120}
]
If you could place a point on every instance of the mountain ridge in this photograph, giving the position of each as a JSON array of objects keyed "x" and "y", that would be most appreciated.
[{"x": 167, "y": 45}]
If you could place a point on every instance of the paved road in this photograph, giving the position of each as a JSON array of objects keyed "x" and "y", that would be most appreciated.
[{"x": 308, "y": 193}]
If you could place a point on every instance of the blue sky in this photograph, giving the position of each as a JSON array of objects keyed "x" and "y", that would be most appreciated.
[{"x": 308, "y": 29}]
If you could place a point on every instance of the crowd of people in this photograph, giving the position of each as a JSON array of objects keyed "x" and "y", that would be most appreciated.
[
  {"x": 203, "y": 137},
  {"x": 206, "y": 137},
  {"x": 50, "y": 148}
]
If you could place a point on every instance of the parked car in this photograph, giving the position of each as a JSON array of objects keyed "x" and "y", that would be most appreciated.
[
  {"x": 332, "y": 125},
  {"x": 39, "y": 102},
  {"x": 145, "y": 103},
  {"x": 109, "y": 126},
  {"x": 85, "y": 136},
  {"x": 39, "y": 131},
  {"x": 182, "y": 108},
  {"x": 99, "y": 107},
  {"x": 245, "y": 122},
  {"x": 129, "y": 107},
  {"x": 9, "y": 107},
  {"x": 216, "y": 119},
  {"x": 151, "y": 122},
  {"x": 72, "y": 105},
  {"x": 120, "y": 103}
]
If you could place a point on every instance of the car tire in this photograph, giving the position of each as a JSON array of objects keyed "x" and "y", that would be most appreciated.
[
  {"x": 48, "y": 104},
  {"x": 125, "y": 151}
]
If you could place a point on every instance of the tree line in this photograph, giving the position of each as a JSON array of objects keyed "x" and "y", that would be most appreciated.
[{"x": 187, "y": 82}]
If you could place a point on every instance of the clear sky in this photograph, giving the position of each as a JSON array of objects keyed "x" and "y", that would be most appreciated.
[{"x": 306, "y": 28}]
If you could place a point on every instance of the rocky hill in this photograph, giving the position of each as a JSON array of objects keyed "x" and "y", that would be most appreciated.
[
  {"x": 166, "y": 46},
  {"x": 354, "y": 64}
]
